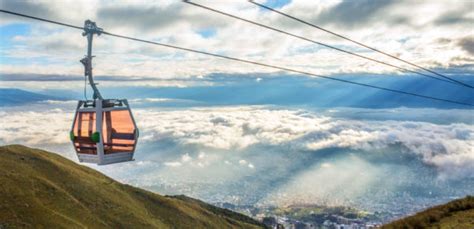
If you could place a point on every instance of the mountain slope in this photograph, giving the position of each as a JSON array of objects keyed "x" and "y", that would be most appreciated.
[
  {"x": 455, "y": 214},
  {"x": 42, "y": 189}
]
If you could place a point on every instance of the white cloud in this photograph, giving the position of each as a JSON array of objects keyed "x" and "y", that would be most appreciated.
[
  {"x": 186, "y": 158},
  {"x": 447, "y": 147},
  {"x": 201, "y": 160},
  {"x": 173, "y": 164},
  {"x": 36, "y": 128},
  {"x": 399, "y": 31},
  {"x": 326, "y": 165},
  {"x": 201, "y": 155}
]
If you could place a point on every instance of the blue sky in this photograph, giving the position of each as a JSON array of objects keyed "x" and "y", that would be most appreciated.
[
  {"x": 432, "y": 41},
  {"x": 8, "y": 32},
  {"x": 277, "y": 3},
  {"x": 207, "y": 32}
]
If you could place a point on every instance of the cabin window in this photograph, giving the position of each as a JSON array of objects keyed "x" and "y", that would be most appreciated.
[
  {"x": 118, "y": 131},
  {"x": 84, "y": 128}
]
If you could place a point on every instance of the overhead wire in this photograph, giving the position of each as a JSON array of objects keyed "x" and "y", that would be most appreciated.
[
  {"x": 248, "y": 61},
  {"x": 355, "y": 42},
  {"x": 324, "y": 44},
  {"x": 41, "y": 19}
]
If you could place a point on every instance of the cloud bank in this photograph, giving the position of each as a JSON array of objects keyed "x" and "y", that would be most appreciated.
[
  {"x": 446, "y": 147},
  {"x": 273, "y": 156}
]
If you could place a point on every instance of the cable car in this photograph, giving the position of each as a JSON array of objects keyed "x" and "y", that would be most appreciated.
[{"x": 104, "y": 130}]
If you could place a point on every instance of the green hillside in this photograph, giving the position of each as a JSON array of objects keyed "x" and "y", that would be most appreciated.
[
  {"x": 44, "y": 190},
  {"x": 455, "y": 214}
]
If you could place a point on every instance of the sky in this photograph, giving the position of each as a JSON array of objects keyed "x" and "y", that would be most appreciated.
[
  {"x": 223, "y": 131},
  {"x": 433, "y": 34}
]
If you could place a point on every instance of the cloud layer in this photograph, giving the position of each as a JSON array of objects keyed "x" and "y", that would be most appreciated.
[
  {"x": 446, "y": 147},
  {"x": 274, "y": 156}
]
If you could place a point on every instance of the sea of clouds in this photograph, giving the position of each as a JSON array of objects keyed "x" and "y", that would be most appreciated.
[{"x": 268, "y": 155}]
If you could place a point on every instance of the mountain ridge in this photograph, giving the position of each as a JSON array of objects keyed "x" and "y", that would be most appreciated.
[
  {"x": 43, "y": 189},
  {"x": 15, "y": 97},
  {"x": 458, "y": 213}
]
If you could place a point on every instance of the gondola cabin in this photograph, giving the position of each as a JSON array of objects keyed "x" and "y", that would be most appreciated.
[{"x": 104, "y": 131}]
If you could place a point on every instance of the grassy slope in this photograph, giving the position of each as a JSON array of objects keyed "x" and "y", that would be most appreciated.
[
  {"x": 45, "y": 190},
  {"x": 455, "y": 214}
]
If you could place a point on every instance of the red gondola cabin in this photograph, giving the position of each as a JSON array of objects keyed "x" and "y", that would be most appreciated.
[{"x": 104, "y": 131}]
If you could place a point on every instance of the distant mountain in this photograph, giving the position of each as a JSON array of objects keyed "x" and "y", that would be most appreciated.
[
  {"x": 12, "y": 97},
  {"x": 455, "y": 214},
  {"x": 40, "y": 189},
  {"x": 288, "y": 90},
  {"x": 269, "y": 89}
]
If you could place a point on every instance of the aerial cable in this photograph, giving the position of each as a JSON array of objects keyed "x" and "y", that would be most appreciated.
[
  {"x": 356, "y": 42},
  {"x": 325, "y": 45},
  {"x": 252, "y": 62},
  {"x": 284, "y": 68},
  {"x": 41, "y": 19}
]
